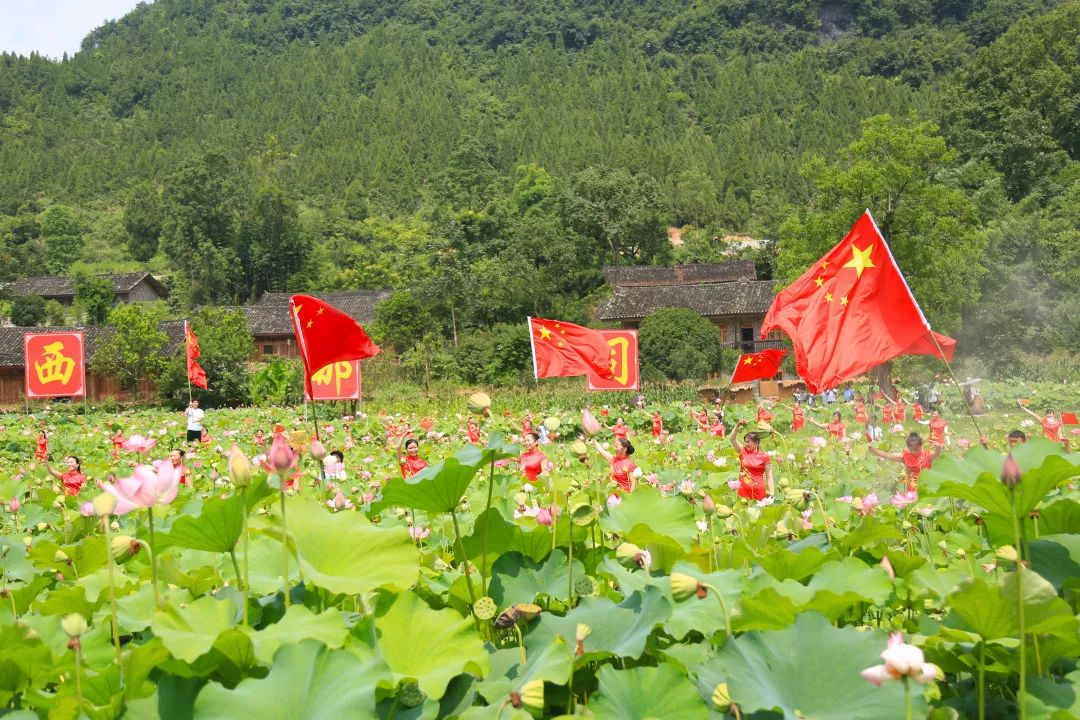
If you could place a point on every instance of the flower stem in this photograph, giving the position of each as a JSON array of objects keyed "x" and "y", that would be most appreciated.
[
  {"x": 569, "y": 556},
  {"x": 465, "y": 565},
  {"x": 723, "y": 608},
  {"x": 1021, "y": 698},
  {"x": 78, "y": 675},
  {"x": 244, "y": 534},
  {"x": 907, "y": 699},
  {"x": 153, "y": 554},
  {"x": 284, "y": 547},
  {"x": 112, "y": 597},
  {"x": 982, "y": 682},
  {"x": 484, "y": 545}
]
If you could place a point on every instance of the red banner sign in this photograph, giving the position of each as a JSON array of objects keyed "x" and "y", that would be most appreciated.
[
  {"x": 337, "y": 381},
  {"x": 624, "y": 362},
  {"x": 55, "y": 365}
]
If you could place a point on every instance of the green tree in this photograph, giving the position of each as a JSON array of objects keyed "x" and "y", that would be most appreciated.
[
  {"x": 402, "y": 320},
  {"x": 63, "y": 237},
  {"x": 28, "y": 310},
  {"x": 896, "y": 169},
  {"x": 275, "y": 247},
  {"x": 135, "y": 349},
  {"x": 679, "y": 344},
  {"x": 95, "y": 296},
  {"x": 142, "y": 220},
  {"x": 55, "y": 313},
  {"x": 226, "y": 348}
]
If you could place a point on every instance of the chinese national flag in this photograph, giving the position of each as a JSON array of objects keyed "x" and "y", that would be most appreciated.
[
  {"x": 326, "y": 335},
  {"x": 851, "y": 311},
  {"x": 1069, "y": 419},
  {"x": 563, "y": 350},
  {"x": 757, "y": 366},
  {"x": 196, "y": 375}
]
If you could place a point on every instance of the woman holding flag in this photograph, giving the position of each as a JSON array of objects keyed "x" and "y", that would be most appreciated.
[{"x": 1051, "y": 425}]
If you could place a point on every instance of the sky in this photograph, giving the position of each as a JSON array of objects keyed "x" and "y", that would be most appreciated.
[{"x": 53, "y": 27}]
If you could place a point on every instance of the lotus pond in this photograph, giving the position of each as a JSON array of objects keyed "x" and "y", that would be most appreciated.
[{"x": 465, "y": 592}]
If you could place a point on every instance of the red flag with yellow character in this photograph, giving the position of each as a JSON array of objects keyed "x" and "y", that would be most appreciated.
[{"x": 850, "y": 312}]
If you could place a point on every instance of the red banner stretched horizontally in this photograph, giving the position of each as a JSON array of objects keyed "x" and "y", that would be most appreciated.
[
  {"x": 624, "y": 362},
  {"x": 55, "y": 365}
]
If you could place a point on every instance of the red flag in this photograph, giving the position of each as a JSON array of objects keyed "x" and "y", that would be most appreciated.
[
  {"x": 925, "y": 346},
  {"x": 563, "y": 350},
  {"x": 757, "y": 366},
  {"x": 850, "y": 312},
  {"x": 195, "y": 374},
  {"x": 1069, "y": 419},
  {"x": 325, "y": 335}
]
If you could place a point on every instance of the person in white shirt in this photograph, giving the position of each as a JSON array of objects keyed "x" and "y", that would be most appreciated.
[{"x": 194, "y": 422}]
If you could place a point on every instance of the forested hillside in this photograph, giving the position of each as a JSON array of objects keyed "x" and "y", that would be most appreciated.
[{"x": 490, "y": 157}]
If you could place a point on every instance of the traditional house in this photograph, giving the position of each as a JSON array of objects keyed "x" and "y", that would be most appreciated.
[
  {"x": 729, "y": 294},
  {"x": 98, "y": 387},
  {"x": 271, "y": 327},
  {"x": 138, "y": 286}
]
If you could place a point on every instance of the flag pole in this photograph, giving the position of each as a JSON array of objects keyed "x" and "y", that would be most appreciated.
[
  {"x": 532, "y": 346},
  {"x": 956, "y": 382}
]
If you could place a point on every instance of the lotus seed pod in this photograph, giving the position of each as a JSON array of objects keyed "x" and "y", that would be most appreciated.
[
  {"x": 74, "y": 625},
  {"x": 627, "y": 554},
  {"x": 410, "y": 695},
  {"x": 60, "y": 557},
  {"x": 484, "y": 608},
  {"x": 585, "y": 586},
  {"x": 527, "y": 611},
  {"x": 123, "y": 547},
  {"x": 721, "y": 698},
  {"x": 581, "y": 632},
  {"x": 532, "y": 695},
  {"x": 104, "y": 504},
  {"x": 579, "y": 448},
  {"x": 683, "y": 586},
  {"x": 552, "y": 423},
  {"x": 724, "y": 511}
]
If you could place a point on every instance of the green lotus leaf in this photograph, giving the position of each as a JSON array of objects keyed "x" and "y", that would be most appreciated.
[
  {"x": 646, "y": 693},
  {"x": 218, "y": 525},
  {"x": 189, "y": 632},
  {"x": 428, "y": 646},
  {"x": 783, "y": 564},
  {"x": 620, "y": 630},
  {"x": 775, "y": 671},
  {"x": 552, "y": 663},
  {"x": 515, "y": 578},
  {"x": 644, "y": 517},
  {"x": 1057, "y": 558},
  {"x": 297, "y": 625},
  {"x": 704, "y": 615},
  {"x": 343, "y": 553},
  {"x": 505, "y": 536},
  {"x": 990, "y": 611},
  {"x": 307, "y": 680}
]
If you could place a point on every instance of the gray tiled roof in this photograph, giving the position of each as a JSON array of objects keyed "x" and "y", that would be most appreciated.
[
  {"x": 742, "y": 297},
  {"x": 11, "y": 339},
  {"x": 269, "y": 316},
  {"x": 696, "y": 274},
  {"x": 64, "y": 287}
]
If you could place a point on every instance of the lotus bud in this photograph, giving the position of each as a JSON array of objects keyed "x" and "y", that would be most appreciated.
[
  {"x": 60, "y": 557},
  {"x": 1008, "y": 553},
  {"x": 888, "y": 567},
  {"x": 531, "y": 696},
  {"x": 123, "y": 547},
  {"x": 281, "y": 457},
  {"x": 42, "y": 526},
  {"x": 627, "y": 554},
  {"x": 479, "y": 403},
  {"x": 104, "y": 504},
  {"x": 582, "y": 631},
  {"x": 684, "y": 586},
  {"x": 27, "y": 541},
  {"x": 721, "y": 698},
  {"x": 239, "y": 467},
  {"x": 589, "y": 424},
  {"x": 74, "y": 625},
  {"x": 14, "y": 505},
  {"x": 1010, "y": 472},
  {"x": 318, "y": 452},
  {"x": 708, "y": 504},
  {"x": 723, "y": 511}
]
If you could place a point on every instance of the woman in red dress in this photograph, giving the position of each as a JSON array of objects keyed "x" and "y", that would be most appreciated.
[
  {"x": 657, "y": 424},
  {"x": 410, "y": 460},
  {"x": 624, "y": 472},
  {"x": 917, "y": 412},
  {"x": 1051, "y": 425},
  {"x": 117, "y": 443},
  {"x": 763, "y": 414},
  {"x": 72, "y": 478},
  {"x": 702, "y": 420},
  {"x": 176, "y": 457},
  {"x": 472, "y": 430},
  {"x": 717, "y": 429},
  {"x": 835, "y": 426},
  {"x": 939, "y": 429},
  {"x": 860, "y": 410},
  {"x": 899, "y": 409},
  {"x": 755, "y": 469},
  {"x": 532, "y": 461},
  {"x": 42, "y": 452},
  {"x": 915, "y": 458},
  {"x": 620, "y": 430},
  {"x": 798, "y": 415},
  {"x": 527, "y": 424},
  {"x": 887, "y": 413}
]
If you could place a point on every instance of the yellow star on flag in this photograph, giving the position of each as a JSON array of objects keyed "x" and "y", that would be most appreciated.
[
  {"x": 860, "y": 259},
  {"x": 319, "y": 311},
  {"x": 820, "y": 281},
  {"x": 828, "y": 297},
  {"x": 748, "y": 361},
  {"x": 843, "y": 300},
  {"x": 310, "y": 323},
  {"x": 544, "y": 333}
]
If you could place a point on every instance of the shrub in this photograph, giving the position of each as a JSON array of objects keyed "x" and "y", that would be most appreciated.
[{"x": 680, "y": 344}]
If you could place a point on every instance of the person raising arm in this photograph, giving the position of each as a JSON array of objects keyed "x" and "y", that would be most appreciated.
[
  {"x": 624, "y": 472},
  {"x": 755, "y": 468},
  {"x": 914, "y": 457}
]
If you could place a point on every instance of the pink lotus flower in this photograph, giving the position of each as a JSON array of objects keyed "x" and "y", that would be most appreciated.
[
  {"x": 686, "y": 487},
  {"x": 419, "y": 533},
  {"x": 281, "y": 457},
  {"x": 147, "y": 486},
  {"x": 139, "y": 444},
  {"x": 902, "y": 500},
  {"x": 901, "y": 661},
  {"x": 613, "y": 500},
  {"x": 544, "y": 517},
  {"x": 926, "y": 511},
  {"x": 318, "y": 452},
  {"x": 368, "y": 497},
  {"x": 818, "y": 442},
  {"x": 87, "y": 509},
  {"x": 963, "y": 443},
  {"x": 14, "y": 505},
  {"x": 806, "y": 524},
  {"x": 589, "y": 424},
  {"x": 844, "y": 499},
  {"x": 733, "y": 484},
  {"x": 869, "y": 504},
  {"x": 652, "y": 478}
]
